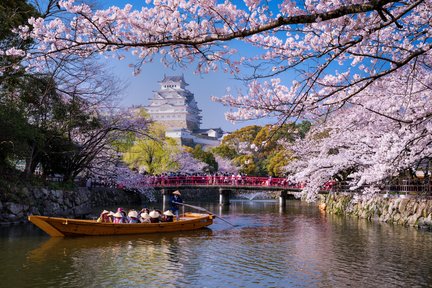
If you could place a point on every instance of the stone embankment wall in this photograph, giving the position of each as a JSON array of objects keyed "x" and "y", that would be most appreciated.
[
  {"x": 16, "y": 205},
  {"x": 402, "y": 210}
]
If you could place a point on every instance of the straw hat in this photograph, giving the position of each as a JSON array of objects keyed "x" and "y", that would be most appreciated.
[
  {"x": 176, "y": 192},
  {"x": 118, "y": 215},
  {"x": 105, "y": 212},
  {"x": 168, "y": 213},
  {"x": 154, "y": 214},
  {"x": 133, "y": 214},
  {"x": 145, "y": 215}
]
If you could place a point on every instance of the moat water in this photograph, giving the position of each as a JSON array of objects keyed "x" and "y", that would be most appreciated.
[{"x": 269, "y": 247}]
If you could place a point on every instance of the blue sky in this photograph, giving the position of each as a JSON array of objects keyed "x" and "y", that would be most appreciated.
[
  {"x": 140, "y": 88},
  {"x": 204, "y": 86}
]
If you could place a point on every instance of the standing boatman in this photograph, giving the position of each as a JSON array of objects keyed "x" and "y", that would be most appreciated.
[{"x": 175, "y": 198}]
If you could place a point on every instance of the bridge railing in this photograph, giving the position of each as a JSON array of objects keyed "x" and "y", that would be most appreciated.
[
  {"x": 174, "y": 181},
  {"x": 249, "y": 181}
]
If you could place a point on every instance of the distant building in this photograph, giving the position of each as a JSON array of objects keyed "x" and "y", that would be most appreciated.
[{"x": 175, "y": 107}]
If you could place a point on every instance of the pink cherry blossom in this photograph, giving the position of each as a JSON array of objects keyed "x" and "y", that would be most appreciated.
[{"x": 360, "y": 68}]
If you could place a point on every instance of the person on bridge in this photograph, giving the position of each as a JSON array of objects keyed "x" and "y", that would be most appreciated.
[{"x": 175, "y": 198}]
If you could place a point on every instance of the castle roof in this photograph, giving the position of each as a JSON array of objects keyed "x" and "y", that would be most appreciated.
[
  {"x": 208, "y": 129},
  {"x": 174, "y": 79}
]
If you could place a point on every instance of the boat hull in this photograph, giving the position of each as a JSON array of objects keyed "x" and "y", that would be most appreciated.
[{"x": 64, "y": 227}]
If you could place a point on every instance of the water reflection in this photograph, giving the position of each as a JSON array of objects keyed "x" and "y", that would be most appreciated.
[
  {"x": 54, "y": 245},
  {"x": 296, "y": 247},
  {"x": 120, "y": 260}
]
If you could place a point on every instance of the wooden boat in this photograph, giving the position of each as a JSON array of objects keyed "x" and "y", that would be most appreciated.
[{"x": 61, "y": 227}]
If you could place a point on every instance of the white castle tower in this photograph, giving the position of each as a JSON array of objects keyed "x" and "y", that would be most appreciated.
[{"x": 174, "y": 106}]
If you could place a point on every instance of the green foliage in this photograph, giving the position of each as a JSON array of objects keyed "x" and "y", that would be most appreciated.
[
  {"x": 15, "y": 131},
  {"x": 45, "y": 122},
  {"x": 204, "y": 156},
  {"x": 278, "y": 160},
  {"x": 231, "y": 144},
  {"x": 12, "y": 14},
  {"x": 124, "y": 143},
  {"x": 303, "y": 128},
  {"x": 154, "y": 154},
  {"x": 262, "y": 150},
  {"x": 68, "y": 185},
  {"x": 225, "y": 151},
  {"x": 15, "y": 128},
  {"x": 127, "y": 140},
  {"x": 248, "y": 164},
  {"x": 51, "y": 119},
  {"x": 57, "y": 155}
]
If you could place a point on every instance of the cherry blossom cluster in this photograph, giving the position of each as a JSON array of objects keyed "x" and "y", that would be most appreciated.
[
  {"x": 360, "y": 68},
  {"x": 128, "y": 179},
  {"x": 188, "y": 164},
  {"x": 381, "y": 132},
  {"x": 226, "y": 165},
  {"x": 166, "y": 27},
  {"x": 363, "y": 34}
]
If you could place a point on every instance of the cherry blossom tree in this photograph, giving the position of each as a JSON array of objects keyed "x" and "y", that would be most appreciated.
[
  {"x": 383, "y": 131},
  {"x": 342, "y": 55},
  {"x": 154, "y": 153},
  {"x": 375, "y": 37},
  {"x": 188, "y": 164},
  {"x": 127, "y": 179},
  {"x": 226, "y": 165},
  {"x": 95, "y": 146}
]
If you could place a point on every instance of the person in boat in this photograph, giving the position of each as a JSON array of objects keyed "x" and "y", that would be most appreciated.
[
  {"x": 175, "y": 198},
  {"x": 104, "y": 217},
  {"x": 111, "y": 216},
  {"x": 118, "y": 218},
  {"x": 145, "y": 217},
  {"x": 124, "y": 215},
  {"x": 133, "y": 217},
  {"x": 144, "y": 210},
  {"x": 154, "y": 216},
  {"x": 168, "y": 216}
]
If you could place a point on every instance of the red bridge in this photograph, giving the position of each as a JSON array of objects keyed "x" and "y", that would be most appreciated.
[
  {"x": 271, "y": 183},
  {"x": 232, "y": 182},
  {"x": 225, "y": 184}
]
